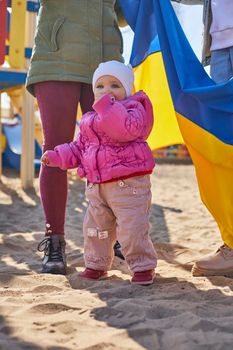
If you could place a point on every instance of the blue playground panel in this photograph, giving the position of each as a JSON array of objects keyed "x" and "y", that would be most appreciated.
[
  {"x": 12, "y": 154},
  {"x": 27, "y": 54},
  {"x": 10, "y": 79},
  {"x": 32, "y": 6}
]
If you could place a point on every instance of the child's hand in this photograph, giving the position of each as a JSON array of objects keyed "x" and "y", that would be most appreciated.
[{"x": 44, "y": 159}]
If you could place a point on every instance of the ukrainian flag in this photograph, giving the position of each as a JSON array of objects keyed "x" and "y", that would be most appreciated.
[
  {"x": 150, "y": 76},
  {"x": 203, "y": 109}
]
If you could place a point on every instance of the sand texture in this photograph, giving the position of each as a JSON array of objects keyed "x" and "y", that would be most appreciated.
[{"x": 178, "y": 312}]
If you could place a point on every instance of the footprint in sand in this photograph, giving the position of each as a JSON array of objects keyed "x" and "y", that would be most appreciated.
[
  {"x": 115, "y": 317},
  {"x": 65, "y": 327},
  {"x": 52, "y": 308},
  {"x": 46, "y": 289}
]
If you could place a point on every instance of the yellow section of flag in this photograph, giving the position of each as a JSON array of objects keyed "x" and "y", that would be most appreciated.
[
  {"x": 151, "y": 78},
  {"x": 213, "y": 160}
]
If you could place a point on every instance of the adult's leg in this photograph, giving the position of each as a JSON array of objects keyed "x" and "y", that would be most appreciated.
[
  {"x": 58, "y": 108},
  {"x": 221, "y": 65},
  {"x": 57, "y": 102},
  {"x": 86, "y": 97},
  {"x": 221, "y": 262}
]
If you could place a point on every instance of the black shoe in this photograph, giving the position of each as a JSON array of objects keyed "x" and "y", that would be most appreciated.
[
  {"x": 117, "y": 251},
  {"x": 54, "y": 260}
]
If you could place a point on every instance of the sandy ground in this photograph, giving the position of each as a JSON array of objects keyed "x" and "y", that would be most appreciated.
[{"x": 178, "y": 311}]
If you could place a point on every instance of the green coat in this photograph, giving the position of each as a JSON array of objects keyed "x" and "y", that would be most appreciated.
[{"x": 72, "y": 38}]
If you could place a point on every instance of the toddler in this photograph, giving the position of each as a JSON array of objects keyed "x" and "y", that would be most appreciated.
[{"x": 112, "y": 153}]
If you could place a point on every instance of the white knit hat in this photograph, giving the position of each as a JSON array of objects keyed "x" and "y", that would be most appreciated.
[{"x": 122, "y": 72}]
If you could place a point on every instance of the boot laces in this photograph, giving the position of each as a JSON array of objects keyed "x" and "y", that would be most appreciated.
[{"x": 53, "y": 252}]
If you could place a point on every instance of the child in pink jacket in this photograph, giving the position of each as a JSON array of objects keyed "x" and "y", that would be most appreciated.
[{"x": 112, "y": 153}]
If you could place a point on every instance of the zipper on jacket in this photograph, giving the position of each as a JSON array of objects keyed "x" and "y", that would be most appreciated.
[{"x": 98, "y": 177}]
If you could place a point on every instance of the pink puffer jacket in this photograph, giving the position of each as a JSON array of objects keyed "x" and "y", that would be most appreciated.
[{"x": 112, "y": 140}]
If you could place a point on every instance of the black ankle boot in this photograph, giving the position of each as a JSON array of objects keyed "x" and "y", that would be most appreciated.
[
  {"x": 117, "y": 251},
  {"x": 54, "y": 260}
]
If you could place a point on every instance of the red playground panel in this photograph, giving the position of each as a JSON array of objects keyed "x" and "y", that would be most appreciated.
[{"x": 3, "y": 31}]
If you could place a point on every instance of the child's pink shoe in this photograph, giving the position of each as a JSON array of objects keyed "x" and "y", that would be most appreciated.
[
  {"x": 143, "y": 278},
  {"x": 93, "y": 274}
]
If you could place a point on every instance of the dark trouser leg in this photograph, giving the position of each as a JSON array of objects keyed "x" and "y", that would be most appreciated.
[{"x": 58, "y": 103}]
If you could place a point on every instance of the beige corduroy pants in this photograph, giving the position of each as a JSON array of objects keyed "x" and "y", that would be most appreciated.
[{"x": 119, "y": 210}]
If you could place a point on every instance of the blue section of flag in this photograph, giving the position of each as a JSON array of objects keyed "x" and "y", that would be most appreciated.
[{"x": 140, "y": 17}]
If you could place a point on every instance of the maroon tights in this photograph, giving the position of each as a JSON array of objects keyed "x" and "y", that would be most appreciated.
[{"x": 58, "y": 103}]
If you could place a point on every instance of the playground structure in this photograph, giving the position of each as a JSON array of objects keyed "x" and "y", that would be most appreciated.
[{"x": 18, "y": 23}]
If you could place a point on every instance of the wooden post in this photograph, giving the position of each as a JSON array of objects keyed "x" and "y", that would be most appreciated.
[
  {"x": 28, "y": 116},
  {"x": 17, "y": 33},
  {"x": 27, "y": 167},
  {"x": 3, "y": 34}
]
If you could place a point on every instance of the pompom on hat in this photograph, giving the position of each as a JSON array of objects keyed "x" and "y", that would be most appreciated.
[{"x": 121, "y": 71}]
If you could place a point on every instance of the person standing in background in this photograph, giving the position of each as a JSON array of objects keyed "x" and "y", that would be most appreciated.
[
  {"x": 71, "y": 39},
  {"x": 218, "y": 52}
]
